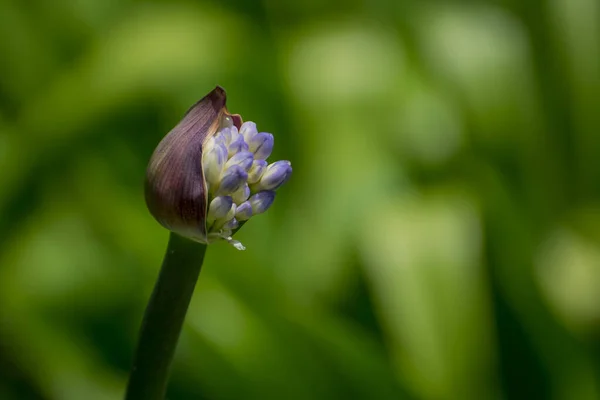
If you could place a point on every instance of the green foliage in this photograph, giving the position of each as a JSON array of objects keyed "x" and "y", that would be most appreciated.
[{"x": 439, "y": 238}]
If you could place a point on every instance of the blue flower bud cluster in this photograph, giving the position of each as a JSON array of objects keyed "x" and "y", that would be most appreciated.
[{"x": 240, "y": 182}]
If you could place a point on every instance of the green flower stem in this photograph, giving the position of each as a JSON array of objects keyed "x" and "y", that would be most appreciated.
[{"x": 163, "y": 319}]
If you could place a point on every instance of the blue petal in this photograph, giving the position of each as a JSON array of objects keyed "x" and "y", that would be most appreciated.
[
  {"x": 233, "y": 178},
  {"x": 243, "y": 159},
  {"x": 244, "y": 211},
  {"x": 261, "y": 201},
  {"x": 276, "y": 175},
  {"x": 261, "y": 145},
  {"x": 219, "y": 207}
]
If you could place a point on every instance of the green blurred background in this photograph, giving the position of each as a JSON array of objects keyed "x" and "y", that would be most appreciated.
[{"x": 440, "y": 237}]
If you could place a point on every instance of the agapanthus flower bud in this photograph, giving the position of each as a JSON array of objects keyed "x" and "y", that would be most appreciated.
[
  {"x": 208, "y": 176},
  {"x": 234, "y": 178},
  {"x": 261, "y": 201},
  {"x": 244, "y": 159},
  {"x": 256, "y": 171},
  {"x": 248, "y": 131},
  {"x": 236, "y": 145},
  {"x": 243, "y": 211},
  {"x": 218, "y": 208},
  {"x": 219, "y": 223},
  {"x": 231, "y": 224},
  {"x": 241, "y": 195},
  {"x": 225, "y": 135},
  {"x": 214, "y": 161},
  {"x": 261, "y": 145},
  {"x": 275, "y": 175}
]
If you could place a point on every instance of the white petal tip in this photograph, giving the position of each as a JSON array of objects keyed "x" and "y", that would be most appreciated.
[{"x": 238, "y": 245}]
